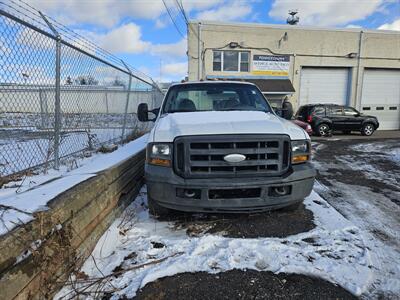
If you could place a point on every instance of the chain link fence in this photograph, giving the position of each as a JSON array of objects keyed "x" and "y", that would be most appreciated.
[{"x": 61, "y": 95}]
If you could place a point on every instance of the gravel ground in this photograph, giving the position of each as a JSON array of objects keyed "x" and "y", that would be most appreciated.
[{"x": 238, "y": 284}]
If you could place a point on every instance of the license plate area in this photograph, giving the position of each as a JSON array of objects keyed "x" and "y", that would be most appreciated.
[{"x": 234, "y": 193}]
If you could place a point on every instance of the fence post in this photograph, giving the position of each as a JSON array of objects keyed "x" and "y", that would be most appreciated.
[
  {"x": 106, "y": 99},
  {"x": 57, "y": 104},
  {"x": 127, "y": 102},
  {"x": 57, "y": 107},
  {"x": 42, "y": 109}
]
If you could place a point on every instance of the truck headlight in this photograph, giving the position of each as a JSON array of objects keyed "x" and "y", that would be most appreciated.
[
  {"x": 159, "y": 154},
  {"x": 301, "y": 151}
]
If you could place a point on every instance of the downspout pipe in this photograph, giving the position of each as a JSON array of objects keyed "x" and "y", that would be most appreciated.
[
  {"x": 199, "y": 52},
  {"x": 358, "y": 78}
]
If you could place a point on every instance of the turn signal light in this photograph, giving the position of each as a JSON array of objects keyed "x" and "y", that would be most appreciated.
[
  {"x": 160, "y": 162},
  {"x": 299, "y": 159}
]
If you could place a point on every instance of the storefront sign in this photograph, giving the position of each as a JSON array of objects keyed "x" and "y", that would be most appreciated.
[{"x": 271, "y": 65}]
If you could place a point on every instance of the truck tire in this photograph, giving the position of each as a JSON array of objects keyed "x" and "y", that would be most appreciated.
[
  {"x": 292, "y": 207},
  {"x": 155, "y": 209},
  {"x": 323, "y": 129},
  {"x": 368, "y": 129}
]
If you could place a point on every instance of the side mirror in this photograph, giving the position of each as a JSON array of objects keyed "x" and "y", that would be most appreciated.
[
  {"x": 278, "y": 111},
  {"x": 143, "y": 112},
  {"x": 287, "y": 110}
]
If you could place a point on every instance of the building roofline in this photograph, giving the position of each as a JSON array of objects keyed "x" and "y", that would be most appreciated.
[
  {"x": 212, "y": 82},
  {"x": 295, "y": 27}
]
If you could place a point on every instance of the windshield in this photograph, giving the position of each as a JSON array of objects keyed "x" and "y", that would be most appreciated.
[{"x": 214, "y": 97}]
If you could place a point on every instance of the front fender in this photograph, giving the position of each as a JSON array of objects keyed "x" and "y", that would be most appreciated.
[{"x": 371, "y": 120}]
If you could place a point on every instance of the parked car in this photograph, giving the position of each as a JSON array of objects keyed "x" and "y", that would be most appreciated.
[
  {"x": 304, "y": 125},
  {"x": 288, "y": 106},
  {"x": 219, "y": 147},
  {"x": 325, "y": 118}
]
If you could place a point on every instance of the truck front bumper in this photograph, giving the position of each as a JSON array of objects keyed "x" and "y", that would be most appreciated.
[{"x": 228, "y": 194}]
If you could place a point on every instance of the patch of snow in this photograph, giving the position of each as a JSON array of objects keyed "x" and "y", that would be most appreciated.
[
  {"x": 18, "y": 203},
  {"x": 368, "y": 170},
  {"x": 379, "y": 220},
  {"x": 338, "y": 254},
  {"x": 389, "y": 149}
]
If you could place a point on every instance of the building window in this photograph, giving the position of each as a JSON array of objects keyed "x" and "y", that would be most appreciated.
[
  {"x": 231, "y": 61},
  {"x": 217, "y": 61},
  {"x": 244, "y": 61}
]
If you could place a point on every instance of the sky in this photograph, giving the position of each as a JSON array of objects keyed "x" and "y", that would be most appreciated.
[{"x": 142, "y": 32}]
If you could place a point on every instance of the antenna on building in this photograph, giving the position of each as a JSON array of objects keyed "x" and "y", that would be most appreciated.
[{"x": 293, "y": 19}]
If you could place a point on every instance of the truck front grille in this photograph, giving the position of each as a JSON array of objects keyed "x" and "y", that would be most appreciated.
[{"x": 203, "y": 156}]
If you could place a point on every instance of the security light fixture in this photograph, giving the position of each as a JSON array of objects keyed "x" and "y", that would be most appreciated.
[
  {"x": 233, "y": 45},
  {"x": 293, "y": 19}
]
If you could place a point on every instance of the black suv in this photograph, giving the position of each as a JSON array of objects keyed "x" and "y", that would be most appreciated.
[{"x": 325, "y": 118}]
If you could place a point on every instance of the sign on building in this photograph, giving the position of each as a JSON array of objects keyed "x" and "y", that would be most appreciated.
[{"x": 271, "y": 65}]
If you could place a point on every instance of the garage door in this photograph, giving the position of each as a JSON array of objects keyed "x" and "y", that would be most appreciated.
[
  {"x": 380, "y": 96},
  {"x": 323, "y": 85}
]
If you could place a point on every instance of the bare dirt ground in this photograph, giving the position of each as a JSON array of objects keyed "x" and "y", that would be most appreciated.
[
  {"x": 267, "y": 224},
  {"x": 236, "y": 284}
]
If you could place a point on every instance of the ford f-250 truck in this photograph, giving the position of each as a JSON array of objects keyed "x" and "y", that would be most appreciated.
[{"x": 217, "y": 146}]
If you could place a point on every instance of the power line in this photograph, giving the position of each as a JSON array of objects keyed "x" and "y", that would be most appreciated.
[
  {"x": 188, "y": 24},
  {"x": 180, "y": 7},
  {"x": 172, "y": 19}
]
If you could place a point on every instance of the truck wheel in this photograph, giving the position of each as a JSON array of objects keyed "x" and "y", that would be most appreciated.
[
  {"x": 155, "y": 209},
  {"x": 323, "y": 129},
  {"x": 367, "y": 129},
  {"x": 292, "y": 207}
]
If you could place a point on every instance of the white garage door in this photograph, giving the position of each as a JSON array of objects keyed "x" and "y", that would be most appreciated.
[
  {"x": 323, "y": 85},
  {"x": 380, "y": 96}
]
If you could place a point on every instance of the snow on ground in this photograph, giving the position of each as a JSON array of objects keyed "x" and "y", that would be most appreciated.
[
  {"x": 335, "y": 250},
  {"x": 25, "y": 150},
  {"x": 35, "y": 191},
  {"x": 383, "y": 149},
  {"x": 371, "y": 203},
  {"x": 372, "y": 214}
]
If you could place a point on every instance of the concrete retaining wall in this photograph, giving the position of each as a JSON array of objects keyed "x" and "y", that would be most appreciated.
[{"x": 36, "y": 259}]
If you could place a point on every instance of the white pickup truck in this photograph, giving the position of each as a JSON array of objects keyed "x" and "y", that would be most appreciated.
[{"x": 217, "y": 146}]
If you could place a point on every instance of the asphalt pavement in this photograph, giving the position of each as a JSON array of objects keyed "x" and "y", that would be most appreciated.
[{"x": 379, "y": 134}]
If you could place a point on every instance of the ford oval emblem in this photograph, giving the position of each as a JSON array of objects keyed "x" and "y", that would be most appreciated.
[{"x": 234, "y": 158}]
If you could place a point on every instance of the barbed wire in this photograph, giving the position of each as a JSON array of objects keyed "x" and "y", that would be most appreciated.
[{"x": 31, "y": 15}]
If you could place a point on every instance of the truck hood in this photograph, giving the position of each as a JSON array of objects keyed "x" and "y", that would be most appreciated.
[{"x": 169, "y": 126}]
